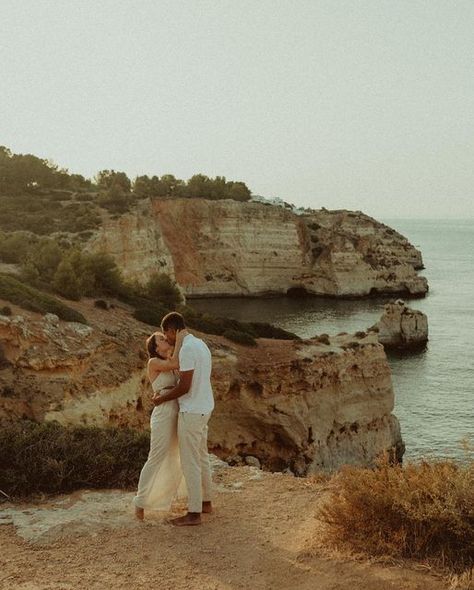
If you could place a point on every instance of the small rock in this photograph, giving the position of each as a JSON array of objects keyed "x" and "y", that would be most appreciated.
[
  {"x": 51, "y": 319},
  {"x": 80, "y": 329},
  {"x": 252, "y": 461}
]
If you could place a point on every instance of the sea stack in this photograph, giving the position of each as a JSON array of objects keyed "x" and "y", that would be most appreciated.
[{"x": 401, "y": 327}]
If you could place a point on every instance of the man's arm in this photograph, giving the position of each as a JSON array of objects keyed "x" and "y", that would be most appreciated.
[{"x": 184, "y": 385}]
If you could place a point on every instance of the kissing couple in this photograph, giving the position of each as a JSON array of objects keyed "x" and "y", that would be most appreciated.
[{"x": 179, "y": 370}]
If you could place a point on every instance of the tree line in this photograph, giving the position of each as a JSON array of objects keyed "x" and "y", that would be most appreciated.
[{"x": 114, "y": 190}]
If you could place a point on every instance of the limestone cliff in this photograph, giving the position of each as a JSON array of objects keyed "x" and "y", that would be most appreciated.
[
  {"x": 230, "y": 248},
  {"x": 305, "y": 405}
]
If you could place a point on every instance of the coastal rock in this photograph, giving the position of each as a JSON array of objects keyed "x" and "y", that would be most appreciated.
[
  {"x": 307, "y": 405},
  {"x": 303, "y": 405},
  {"x": 401, "y": 327},
  {"x": 230, "y": 248}
]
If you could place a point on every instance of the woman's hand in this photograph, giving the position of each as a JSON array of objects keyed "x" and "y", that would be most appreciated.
[{"x": 180, "y": 336}]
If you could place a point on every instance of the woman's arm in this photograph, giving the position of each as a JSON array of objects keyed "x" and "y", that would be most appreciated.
[{"x": 172, "y": 363}]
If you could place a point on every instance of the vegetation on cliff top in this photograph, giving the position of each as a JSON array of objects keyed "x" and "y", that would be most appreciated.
[{"x": 38, "y": 196}]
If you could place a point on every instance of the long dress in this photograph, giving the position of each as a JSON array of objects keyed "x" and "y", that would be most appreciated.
[{"x": 161, "y": 479}]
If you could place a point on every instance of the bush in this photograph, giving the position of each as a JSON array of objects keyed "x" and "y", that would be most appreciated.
[
  {"x": 101, "y": 304},
  {"x": 150, "y": 315},
  {"x": 163, "y": 289},
  {"x": 217, "y": 325},
  {"x": 65, "y": 281},
  {"x": 30, "y": 298},
  {"x": 6, "y": 310},
  {"x": 239, "y": 337},
  {"x": 421, "y": 510},
  {"x": 264, "y": 330},
  {"x": 14, "y": 247},
  {"x": 104, "y": 273},
  {"x": 50, "y": 458}
]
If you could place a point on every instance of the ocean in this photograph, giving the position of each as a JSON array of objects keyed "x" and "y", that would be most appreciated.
[{"x": 434, "y": 388}]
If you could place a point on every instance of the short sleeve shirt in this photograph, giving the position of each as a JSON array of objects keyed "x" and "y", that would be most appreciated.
[{"x": 196, "y": 356}]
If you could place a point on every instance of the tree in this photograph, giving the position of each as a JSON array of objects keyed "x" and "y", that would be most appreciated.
[
  {"x": 115, "y": 199},
  {"x": 199, "y": 186},
  {"x": 238, "y": 191},
  {"x": 107, "y": 277},
  {"x": 108, "y": 179},
  {"x": 161, "y": 288}
]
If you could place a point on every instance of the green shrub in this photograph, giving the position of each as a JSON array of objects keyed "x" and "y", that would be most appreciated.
[
  {"x": 105, "y": 274},
  {"x": 40, "y": 215},
  {"x": 50, "y": 458},
  {"x": 101, "y": 304},
  {"x": 6, "y": 310},
  {"x": 66, "y": 282},
  {"x": 14, "y": 247},
  {"x": 163, "y": 289},
  {"x": 239, "y": 337},
  {"x": 30, "y": 298},
  {"x": 264, "y": 330},
  {"x": 150, "y": 315}
]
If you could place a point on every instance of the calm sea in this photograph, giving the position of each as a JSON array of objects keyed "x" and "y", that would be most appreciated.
[{"x": 434, "y": 389}]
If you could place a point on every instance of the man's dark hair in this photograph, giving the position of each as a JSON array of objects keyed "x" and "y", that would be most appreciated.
[{"x": 173, "y": 321}]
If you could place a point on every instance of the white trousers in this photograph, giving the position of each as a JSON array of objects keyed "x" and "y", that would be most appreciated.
[{"x": 192, "y": 439}]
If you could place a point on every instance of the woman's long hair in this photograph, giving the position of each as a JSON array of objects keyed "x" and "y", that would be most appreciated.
[{"x": 151, "y": 346}]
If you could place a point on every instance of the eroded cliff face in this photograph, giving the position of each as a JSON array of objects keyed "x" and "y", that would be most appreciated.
[
  {"x": 308, "y": 405},
  {"x": 305, "y": 405},
  {"x": 229, "y": 248}
]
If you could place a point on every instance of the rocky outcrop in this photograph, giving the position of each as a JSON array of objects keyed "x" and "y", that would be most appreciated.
[
  {"x": 401, "y": 327},
  {"x": 305, "y": 405},
  {"x": 308, "y": 405},
  {"x": 225, "y": 248}
]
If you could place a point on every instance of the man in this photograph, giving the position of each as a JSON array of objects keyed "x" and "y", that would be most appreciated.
[{"x": 196, "y": 402}]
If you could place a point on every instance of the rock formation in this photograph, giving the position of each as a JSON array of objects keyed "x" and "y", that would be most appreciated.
[
  {"x": 224, "y": 248},
  {"x": 401, "y": 327},
  {"x": 308, "y": 405}
]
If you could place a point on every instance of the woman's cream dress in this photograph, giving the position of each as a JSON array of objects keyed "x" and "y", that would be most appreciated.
[{"x": 161, "y": 479}]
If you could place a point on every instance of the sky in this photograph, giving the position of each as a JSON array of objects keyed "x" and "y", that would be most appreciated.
[{"x": 364, "y": 105}]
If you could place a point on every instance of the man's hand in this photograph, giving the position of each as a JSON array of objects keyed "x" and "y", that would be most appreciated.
[{"x": 156, "y": 399}]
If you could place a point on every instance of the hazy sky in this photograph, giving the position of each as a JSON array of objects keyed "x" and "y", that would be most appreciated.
[{"x": 344, "y": 104}]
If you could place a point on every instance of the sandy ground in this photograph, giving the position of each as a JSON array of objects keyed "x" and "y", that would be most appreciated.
[{"x": 261, "y": 536}]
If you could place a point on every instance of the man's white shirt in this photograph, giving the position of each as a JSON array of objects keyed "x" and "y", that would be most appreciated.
[{"x": 196, "y": 356}]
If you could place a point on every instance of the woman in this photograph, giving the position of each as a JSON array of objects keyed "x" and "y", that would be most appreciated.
[{"x": 161, "y": 475}]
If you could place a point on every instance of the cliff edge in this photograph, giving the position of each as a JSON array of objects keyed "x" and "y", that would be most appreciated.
[
  {"x": 230, "y": 248},
  {"x": 306, "y": 406}
]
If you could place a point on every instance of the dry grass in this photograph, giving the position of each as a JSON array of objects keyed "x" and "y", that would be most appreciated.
[{"x": 421, "y": 511}]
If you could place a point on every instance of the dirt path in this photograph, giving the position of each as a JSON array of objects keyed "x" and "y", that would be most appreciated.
[{"x": 256, "y": 539}]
